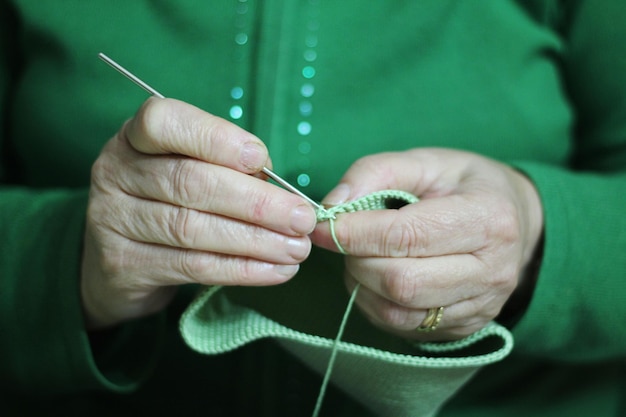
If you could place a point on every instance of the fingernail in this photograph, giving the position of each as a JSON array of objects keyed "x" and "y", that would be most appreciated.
[
  {"x": 338, "y": 195},
  {"x": 287, "y": 270},
  {"x": 253, "y": 156},
  {"x": 298, "y": 249},
  {"x": 303, "y": 219}
]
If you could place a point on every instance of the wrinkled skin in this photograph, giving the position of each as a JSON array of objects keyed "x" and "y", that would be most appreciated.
[
  {"x": 176, "y": 198},
  {"x": 464, "y": 246}
]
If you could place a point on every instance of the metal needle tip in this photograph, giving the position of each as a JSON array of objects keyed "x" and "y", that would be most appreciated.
[
  {"x": 290, "y": 187},
  {"x": 130, "y": 75}
]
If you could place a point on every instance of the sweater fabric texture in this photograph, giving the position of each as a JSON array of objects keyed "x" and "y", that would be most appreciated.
[{"x": 539, "y": 85}]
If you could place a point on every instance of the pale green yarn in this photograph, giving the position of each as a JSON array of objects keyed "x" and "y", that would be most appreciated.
[
  {"x": 388, "y": 383},
  {"x": 333, "y": 353},
  {"x": 378, "y": 200}
]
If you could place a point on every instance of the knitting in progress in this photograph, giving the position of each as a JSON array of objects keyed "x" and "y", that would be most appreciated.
[{"x": 214, "y": 325}]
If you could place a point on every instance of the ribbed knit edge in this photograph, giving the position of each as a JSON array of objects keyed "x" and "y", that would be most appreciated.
[{"x": 212, "y": 325}]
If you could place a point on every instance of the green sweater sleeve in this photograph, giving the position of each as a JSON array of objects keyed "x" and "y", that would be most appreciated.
[
  {"x": 42, "y": 338},
  {"x": 579, "y": 302},
  {"x": 43, "y": 344}
]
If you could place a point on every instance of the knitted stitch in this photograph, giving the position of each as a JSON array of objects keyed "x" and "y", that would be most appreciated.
[
  {"x": 378, "y": 200},
  {"x": 405, "y": 385}
]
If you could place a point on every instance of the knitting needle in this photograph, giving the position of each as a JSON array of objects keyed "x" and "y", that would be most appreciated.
[
  {"x": 130, "y": 76},
  {"x": 290, "y": 187},
  {"x": 155, "y": 93}
]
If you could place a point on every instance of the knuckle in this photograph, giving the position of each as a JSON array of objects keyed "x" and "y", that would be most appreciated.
[
  {"x": 105, "y": 173},
  {"x": 112, "y": 262},
  {"x": 364, "y": 162},
  {"x": 114, "y": 259},
  {"x": 245, "y": 272},
  {"x": 163, "y": 126},
  {"x": 103, "y": 169},
  {"x": 253, "y": 240},
  {"x": 506, "y": 278},
  {"x": 403, "y": 238},
  {"x": 504, "y": 221},
  {"x": 372, "y": 163},
  {"x": 99, "y": 166},
  {"x": 193, "y": 265},
  {"x": 483, "y": 314},
  {"x": 189, "y": 183},
  {"x": 100, "y": 172},
  {"x": 499, "y": 276},
  {"x": 400, "y": 286},
  {"x": 215, "y": 134},
  {"x": 99, "y": 213},
  {"x": 103, "y": 214},
  {"x": 393, "y": 316},
  {"x": 182, "y": 227}
]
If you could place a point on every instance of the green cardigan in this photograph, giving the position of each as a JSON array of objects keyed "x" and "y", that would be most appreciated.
[{"x": 541, "y": 86}]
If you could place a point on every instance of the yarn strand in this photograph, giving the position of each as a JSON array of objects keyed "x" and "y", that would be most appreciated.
[{"x": 334, "y": 351}]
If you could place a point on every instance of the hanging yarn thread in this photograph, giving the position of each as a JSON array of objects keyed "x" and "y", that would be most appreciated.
[{"x": 387, "y": 199}]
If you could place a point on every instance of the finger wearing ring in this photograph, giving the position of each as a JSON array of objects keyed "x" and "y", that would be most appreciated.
[{"x": 431, "y": 321}]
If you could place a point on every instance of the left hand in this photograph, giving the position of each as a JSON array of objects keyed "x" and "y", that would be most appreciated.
[{"x": 463, "y": 246}]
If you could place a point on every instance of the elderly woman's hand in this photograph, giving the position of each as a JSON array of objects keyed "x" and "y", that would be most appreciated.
[
  {"x": 463, "y": 247},
  {"x": 176, "y": 198}
]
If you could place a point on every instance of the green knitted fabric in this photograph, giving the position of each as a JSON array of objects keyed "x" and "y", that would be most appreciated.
[
  {"x": 389, "y": 383},
  {"x": 378, "y": 200}
]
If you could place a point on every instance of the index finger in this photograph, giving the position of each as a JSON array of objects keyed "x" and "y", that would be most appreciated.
[
  {"x": 169, "y": 126},
  {"x": 431, "y": 227}
]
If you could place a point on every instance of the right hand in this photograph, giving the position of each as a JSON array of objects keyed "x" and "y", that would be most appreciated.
[{"x": 176, "y": 197}]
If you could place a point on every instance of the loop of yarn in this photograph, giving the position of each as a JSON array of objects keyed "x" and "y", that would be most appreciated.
[
  {"x": 333, "y": 352},
  {"x": 379, "y": 200}
]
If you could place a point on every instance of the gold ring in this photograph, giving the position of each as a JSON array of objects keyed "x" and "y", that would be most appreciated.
[{"x": 431, "y": 321}]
